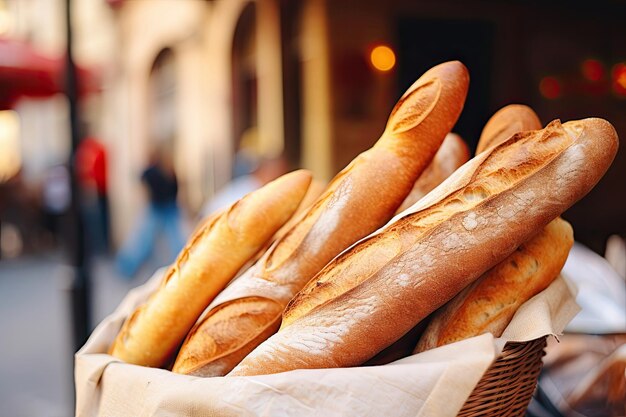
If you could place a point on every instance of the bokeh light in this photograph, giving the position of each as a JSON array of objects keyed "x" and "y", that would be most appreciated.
[
  {"x": 550, "y": 87},
  {"x": 383, "y": 58},
  {"x": 619, "y": 79},
  {"x": 593, "y": 70}
]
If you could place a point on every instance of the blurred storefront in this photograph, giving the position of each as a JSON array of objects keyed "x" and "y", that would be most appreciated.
[
  {"x": 308, "y": 78},
  {"x": 304, "y": 78},
  {"x": 314, "y": 79},
  {"x": 165, "y": 71}
]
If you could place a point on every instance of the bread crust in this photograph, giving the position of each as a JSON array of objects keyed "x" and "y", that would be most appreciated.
[
  {"x": 230, "y": 343},
  {"x": 500, "y": 127},
  {"x": 399, "y": 275},
  {"x": 513, "y": 281},
  {"x": 360, "y": 199},
  {"x": 213, "y": 255}
]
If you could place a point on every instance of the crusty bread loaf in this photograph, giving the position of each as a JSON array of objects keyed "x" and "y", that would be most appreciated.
[
  {"x": 493, "y": 298},
  {"x": 488, "y": 304},
  {"x": 360, "y": 199},
  {"x": 505, "y": 123},
  {"x": 213, "y": 255},
  {"x": 451, "y": 155},
  {"x": 377, "y": 290},
  {"x": 501, "y": 126}
]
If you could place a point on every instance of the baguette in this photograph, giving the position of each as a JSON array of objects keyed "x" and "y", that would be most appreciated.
[
  {"x": 502, "y": 125},
  {"x": 488, "y": 305},
  {"x": 505, "y": 123},
  {"x": 451, "y": 155},
  {"x": 213, "y": 255},
  {"x": 360, "y": 199},
  {"x": 381, "y": 287},
  {"x": 504, "y": 285}
]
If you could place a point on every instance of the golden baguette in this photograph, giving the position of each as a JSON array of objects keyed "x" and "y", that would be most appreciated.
[
  {"x": 451, "y": 155},
  {"x": 500, "y": 127},
  {"x": 505, "y": 123},
  {"x": 488, "y": 305},
  {"x": 360, "y": 199},
  {"x": 376, "y": 291},
  {"x": 213, "y": 255}
]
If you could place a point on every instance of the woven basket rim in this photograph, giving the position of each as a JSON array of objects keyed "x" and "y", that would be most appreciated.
[{"x": 506, "y": 387}]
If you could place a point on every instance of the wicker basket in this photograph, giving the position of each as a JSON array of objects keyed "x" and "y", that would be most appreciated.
[{"x": 507, "y": 386}]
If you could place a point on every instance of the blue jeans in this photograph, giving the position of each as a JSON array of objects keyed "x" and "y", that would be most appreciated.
[{"x": 159, "y": 218}]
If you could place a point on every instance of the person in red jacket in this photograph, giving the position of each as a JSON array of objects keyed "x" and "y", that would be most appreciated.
[{"x": 91, "y": 167}]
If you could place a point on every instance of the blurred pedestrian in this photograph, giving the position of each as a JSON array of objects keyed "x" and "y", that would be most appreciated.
[
  {"x": 91, "y": 164},
  {"x": 162, "y": 216}
]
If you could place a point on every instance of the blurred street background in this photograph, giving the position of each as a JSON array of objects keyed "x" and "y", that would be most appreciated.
[
  {"x": 121, "y": 122},
  {"x": 36, "y": 364}
]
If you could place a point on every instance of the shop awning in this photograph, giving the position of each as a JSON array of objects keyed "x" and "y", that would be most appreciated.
[{"x": 26, "y": 72}]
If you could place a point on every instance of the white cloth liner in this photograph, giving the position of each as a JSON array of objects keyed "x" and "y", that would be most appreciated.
[
  {"x": 602, "y": 293},
  {"x": 436, "y": 382}
]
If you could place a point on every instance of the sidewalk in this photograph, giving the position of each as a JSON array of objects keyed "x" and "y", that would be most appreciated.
[{"x": 36, "y": 357}]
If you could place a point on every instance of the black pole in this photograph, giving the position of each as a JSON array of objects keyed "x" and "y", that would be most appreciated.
[{"x": 79, "y": 260}]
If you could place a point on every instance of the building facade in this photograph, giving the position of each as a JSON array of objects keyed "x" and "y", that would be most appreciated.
[
  {"x": 203, "y": 76},
  {"x": 196, "y": 76}
]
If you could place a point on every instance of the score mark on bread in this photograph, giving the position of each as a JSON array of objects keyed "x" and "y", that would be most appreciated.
[{"x": 414, "y": 106}]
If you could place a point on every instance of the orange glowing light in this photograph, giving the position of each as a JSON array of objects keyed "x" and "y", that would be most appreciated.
[
  {"x": 383, "y": 58},
  {"x": 619, "y": 79},
  {"x": 550, "y": 87},
  {"x": 592, "y": 69}
]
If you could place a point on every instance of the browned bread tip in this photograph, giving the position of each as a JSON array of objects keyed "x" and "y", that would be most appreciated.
[{"x": 505, "y": 123}]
